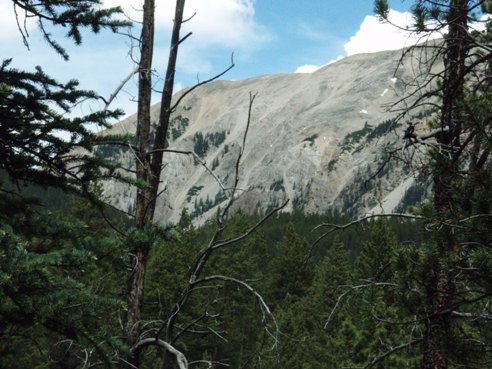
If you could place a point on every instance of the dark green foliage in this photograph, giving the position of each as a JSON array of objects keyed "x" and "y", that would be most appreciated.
[
  {"x": 421, "y": 14},
  {"x": 311, "y": 139},
  {"x": 305, "y": 343},
  {"x": 376, "y": 320},
  {"x": 215, "y": 163},
  {"x": 58, "y": 267},
  {"x": 43, "y": 300},
  {"x": 110, "y": 147},
  {"x": 345, "y": 303},
  {"x": 204, "y": 206},
  {"x": 290, "y": 270},
  {"x": 301, "y": 290},
  {"x": 227, "y": 309},
  {"x": 381, "y": 129},
  {"x": 381, "y": 8},
  {"x": 216, "y": 138},
  {"x": 71, "y": 15},
  {"x": 415, "y": 195},
  {"x": 193, "y": 191},
  {"x": 220, "y": 197},
  {"x": 332, "y": 164},
  {"x": 201, "y": 143},
  {"x": 278, "y": 185},
  {"x": 31, "y": 147},
  {"x": 351, "y": 140},
  {"x": 178, "y": 126}
]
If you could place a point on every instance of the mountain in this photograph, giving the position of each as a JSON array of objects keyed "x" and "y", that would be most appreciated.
[{"x": 314, "y": 138}]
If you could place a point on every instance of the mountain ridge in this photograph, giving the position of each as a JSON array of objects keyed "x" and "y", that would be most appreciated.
[{"x": 312, "y": 139}]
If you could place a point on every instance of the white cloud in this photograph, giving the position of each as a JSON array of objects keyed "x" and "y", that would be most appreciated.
[
  {"x": 374, "y": 35},
  {"x": 9, "y": 25},
  {"x": 178, "y": 86},
  {"x": 228, "y": 23},
  {"x": 308, "y": 68},
  {"x": 480, "y": 25},
  {"x": 340, "y": 57}
]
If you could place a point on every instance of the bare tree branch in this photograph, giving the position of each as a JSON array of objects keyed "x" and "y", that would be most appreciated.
[
  {"x": 188, "y": 91},
  {"x": 118, "y": 88},
  {"x": 351, "y": 289},
  {"x": 336, "y": 227},
  {"x": 203, "y": 163},
  {"x": 392, "y": 351},
  {"x": 266, "y": 310},
  {"x": 180, "y": 358},
  {"x": 238, "y": 160}
]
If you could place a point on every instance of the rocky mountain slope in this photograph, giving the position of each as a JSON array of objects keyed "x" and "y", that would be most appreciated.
[{"x": 314, "y": 138}]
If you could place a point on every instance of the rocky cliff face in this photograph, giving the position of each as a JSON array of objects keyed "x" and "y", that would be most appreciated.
[{"x": 314, "y": 138}]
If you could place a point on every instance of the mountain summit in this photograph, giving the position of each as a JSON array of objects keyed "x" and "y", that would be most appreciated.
[{"x": 317, "y": 139}]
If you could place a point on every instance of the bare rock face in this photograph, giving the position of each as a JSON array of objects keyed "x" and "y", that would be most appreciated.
[{"x": 314, "y": 139}]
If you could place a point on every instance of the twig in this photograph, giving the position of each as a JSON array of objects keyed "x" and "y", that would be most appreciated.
[
  {"x": 199, "y": 160},
  {"x": 259, "y": 297},
  {"x": 173, "y": 107},
  {"x": 239, "y": 157},
  {"x": 118, "y": 88},
  {"x": 392, "y": 351},
  {"x": 336, "y": 227}
]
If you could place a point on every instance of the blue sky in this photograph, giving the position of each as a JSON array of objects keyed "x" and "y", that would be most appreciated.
[{"x": 266, "y": 36}]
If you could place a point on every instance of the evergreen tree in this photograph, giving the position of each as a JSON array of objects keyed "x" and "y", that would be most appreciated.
[
  {"x": 43, "y": 302},
  {"x": 306, "y": 341},
  {"x": 459, "y": 160},
  {"x": 34, "y": 106},
  {"x": 376, "y": 318},
  {"x": 291, "y": 270},
  {"x": 50, "y": 305}
]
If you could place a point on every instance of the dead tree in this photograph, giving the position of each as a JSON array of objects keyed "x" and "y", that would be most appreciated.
[{"x": 149, "y": 162}]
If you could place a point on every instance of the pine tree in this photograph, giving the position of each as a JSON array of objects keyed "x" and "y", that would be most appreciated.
[
  {"x": 291, "y": 270},
  {"x": 34, "y": 106},
  {"x": 43, "y": 301},
  {"x": 307, "y": 340},
  {"x": 375, "y": 323},
  {"x": 459, "y": 161}
]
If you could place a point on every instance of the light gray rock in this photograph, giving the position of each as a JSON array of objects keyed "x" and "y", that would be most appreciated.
[{"x": 312, "y": 139}]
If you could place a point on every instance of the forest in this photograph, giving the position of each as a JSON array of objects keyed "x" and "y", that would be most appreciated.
[{"x": 85, "y": 285}]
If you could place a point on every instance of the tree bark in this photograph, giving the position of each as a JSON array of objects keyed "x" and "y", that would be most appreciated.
[
  {"x": 440, "y": 285},
  {"x": 166, "y": 98},
  {"x": 139, "y": 253},
  {"x": 148, "y": 167}
]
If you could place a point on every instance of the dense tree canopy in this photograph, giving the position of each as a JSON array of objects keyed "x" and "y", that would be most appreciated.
[{"x": 386, "y": 293}]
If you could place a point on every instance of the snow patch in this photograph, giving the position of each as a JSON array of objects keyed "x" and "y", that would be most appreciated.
[
  {"x": 384, "y": 92},
  {"x": 363, "y": 111},
  {"x": 394, "y": 79}
]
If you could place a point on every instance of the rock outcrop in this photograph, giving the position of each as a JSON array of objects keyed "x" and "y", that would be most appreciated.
[{"x": 314, "y": 138}]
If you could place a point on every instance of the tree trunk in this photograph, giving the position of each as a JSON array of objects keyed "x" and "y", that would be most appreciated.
[
  {"x": 440, "y": 285},
  {"x": 166, "y": 98},
  {"x": 148, "y": 168},
  {"x": 139, "y": 253}
]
